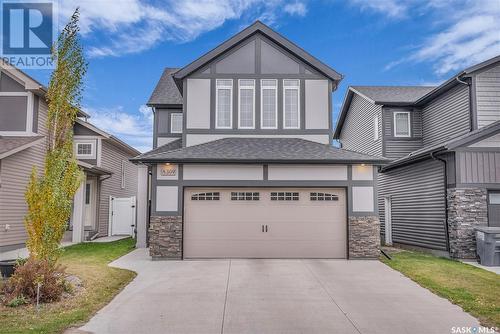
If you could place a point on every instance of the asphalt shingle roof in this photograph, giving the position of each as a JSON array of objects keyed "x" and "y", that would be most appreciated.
[
  {"x": 259, "y": 149},
  {"x": 393, "y": 94},
  {"x": 11, "y": 143},
  {"x": 166, "y": 91},
  {"x": 173, "y": 145}
]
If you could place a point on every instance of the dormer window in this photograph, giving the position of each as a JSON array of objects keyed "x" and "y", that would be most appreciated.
[
  {"x": 291, "y": 103},
  {"x": 224, "y": 104},
  {"x": 401, "y": 124}
]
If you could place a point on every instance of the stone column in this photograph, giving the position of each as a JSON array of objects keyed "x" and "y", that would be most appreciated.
[
  {"x": 364, "y": 237},
  {"x": 165, "y": 237},
  {"x": 467, "y": 209},
  {"x": 78, "y": 215},
  {"x": 142, "y": 206}
]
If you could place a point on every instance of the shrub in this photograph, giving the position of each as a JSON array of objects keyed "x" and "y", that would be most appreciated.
[
  {"x": 24, "y": 282},
  {"x": 17, "y": 301}
]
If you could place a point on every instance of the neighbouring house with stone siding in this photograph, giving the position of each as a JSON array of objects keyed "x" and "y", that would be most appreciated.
[
  {"x": 243, "y": 164},
  {"x": 103, "y": 158},
  {"x": 444, "y": 144}
]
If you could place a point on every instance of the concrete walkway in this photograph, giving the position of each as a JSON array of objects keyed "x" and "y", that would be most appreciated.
[
  {"x": 495, "y": 269},
  {"x": 272, "y": 296}
]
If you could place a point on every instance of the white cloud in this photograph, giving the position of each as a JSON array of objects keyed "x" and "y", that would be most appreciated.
[
  {"x": 132, "y": 26},
  {"x": 468, "y": 31},
  {"x": 391, "y": 8},
  {"x": 296, "y": 8},
  {"x": 134, "y": 129}
]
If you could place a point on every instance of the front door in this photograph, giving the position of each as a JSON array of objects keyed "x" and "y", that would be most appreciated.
[
  {"x": 388, "y": 220},
  {"x": 90, "y": 201},
  {"x": 494, "y": 208}
]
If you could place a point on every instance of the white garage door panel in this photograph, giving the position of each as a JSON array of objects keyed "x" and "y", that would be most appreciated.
[{"x": 295, "y": 229}]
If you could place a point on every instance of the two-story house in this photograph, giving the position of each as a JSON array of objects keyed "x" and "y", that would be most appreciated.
[
  {"x": 444, "y": 143},
  {"x": 243, "y": 165},
  {"x": 23, "y": 131}
]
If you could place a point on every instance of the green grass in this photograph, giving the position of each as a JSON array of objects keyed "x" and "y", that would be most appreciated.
[
  {"x": 88, "y": 261},
  {"x": 476, "y": 290}
]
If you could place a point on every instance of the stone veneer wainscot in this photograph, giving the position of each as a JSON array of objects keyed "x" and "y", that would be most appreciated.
[
  {"x": 364, "y": 237},
  {"x": 165, "y": 237},
  {"x": 467, "y": 209}
]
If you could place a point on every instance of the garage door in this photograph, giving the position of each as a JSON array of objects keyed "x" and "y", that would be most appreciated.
[{"x": 264, "y": 223}]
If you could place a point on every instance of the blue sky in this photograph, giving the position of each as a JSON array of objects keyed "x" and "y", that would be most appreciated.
[{"x": 371, "y": 42}]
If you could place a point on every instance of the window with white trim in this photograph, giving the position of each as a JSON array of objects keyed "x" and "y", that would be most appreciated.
[
  {"x": 375, "y": 128},
  {"x": 224, "y": 104},
  {"x": 176, "y": 123},
  {"x": 402, "y": 124},
  {"x": 122, "y": 173},
  {"x": 269, "y": 103},
  {"x": 246, "y": 104},
  {"x": 85, "y": 150},
  {"x": 291, "y": 104}
]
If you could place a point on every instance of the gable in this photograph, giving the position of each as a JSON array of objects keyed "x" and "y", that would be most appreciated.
[
  {"x": 80, "y": 130},
  {"x": 257, "y": 55},
  {"x": 248, "y": 34},
  {"x": 8, "y": 84}
]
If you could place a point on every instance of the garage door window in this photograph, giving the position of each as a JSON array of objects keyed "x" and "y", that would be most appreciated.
[
  {"x": 323, "y": 197},
  {"x": 284, "y": 196},
  {"x": 244, "y": 196},
  {"x": 215, "y": 196}
]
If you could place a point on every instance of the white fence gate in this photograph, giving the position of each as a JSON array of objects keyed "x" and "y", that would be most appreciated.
[{"x": 122, "y": 215}]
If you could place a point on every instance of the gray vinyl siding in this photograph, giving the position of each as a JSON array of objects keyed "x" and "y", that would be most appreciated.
[
  {"x": 418, "y": 204},
  {"x": 477, "y": 167},
  {"x": 396, "y": 147},
  {"x": 358, "y": 130},
  {"x": 15, "y": 171},
  {"x": 111, "y": 159},
  {"x": 446, "y": 116},
  {"x": 488, "y": 96}
]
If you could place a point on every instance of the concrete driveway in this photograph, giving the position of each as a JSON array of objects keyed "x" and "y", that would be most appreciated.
[{"x": 272, "y": 296}]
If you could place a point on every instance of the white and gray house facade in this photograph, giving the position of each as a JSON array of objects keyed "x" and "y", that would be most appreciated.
[
  {"x": 443, "y": 180},
  {"x": 103, "y": 158},
  {"x": 242, "y": 164}
]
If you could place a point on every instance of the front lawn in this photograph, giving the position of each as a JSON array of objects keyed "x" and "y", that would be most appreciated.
[
  {"x": 476, "y": 290},
  {"x": 88, "y": 261}
]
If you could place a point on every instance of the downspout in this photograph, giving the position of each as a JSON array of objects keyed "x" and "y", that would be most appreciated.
[
  {"x": 434, "y": 157},
  {"x": 471, "y": 117}
]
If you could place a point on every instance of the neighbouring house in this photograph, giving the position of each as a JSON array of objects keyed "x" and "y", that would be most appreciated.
[
  {"x": 104, "y": 159},
  {"x": 242, "y": 164},
  {"x": 444, "y": 146}
]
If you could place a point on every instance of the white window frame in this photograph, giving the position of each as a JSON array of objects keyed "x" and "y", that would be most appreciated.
[
  {"x": 240, "y": 87},
  {"x": 122, "y": 173},
  {"x": 29, "y": 114},
  {"x": 297, "y": 88},
  {"x": 409, "y": 124},
  {"x": 376, "y": 125},
  {"x": 172, "y": 115},
  {"x": 262, "y": 87},
  {"x": 92, "y": 154},
  {"x": 217, "y": 104}
]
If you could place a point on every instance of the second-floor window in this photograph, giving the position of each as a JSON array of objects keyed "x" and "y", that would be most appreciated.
[
  {"x": 246, "y": 102},
  {"x": 291, "y": 114},
  {"x": 401, "y": 124},
  {"x": 176, "y": 123},
  {"x": 84, "y": 150},
  {"x": 224, "y": 105},
  {"x": 269, "y": 104}
]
